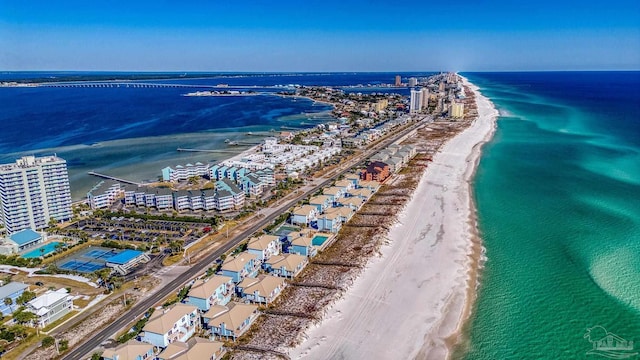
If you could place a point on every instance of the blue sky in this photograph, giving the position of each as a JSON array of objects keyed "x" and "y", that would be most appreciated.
[{"x": 310, "y": 35}]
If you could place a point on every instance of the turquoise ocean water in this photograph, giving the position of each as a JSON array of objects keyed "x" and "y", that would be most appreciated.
[{"x": 558, "y": 196}]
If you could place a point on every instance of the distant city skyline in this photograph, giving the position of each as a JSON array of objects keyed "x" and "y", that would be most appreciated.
[{"x": 286, "y": 36}]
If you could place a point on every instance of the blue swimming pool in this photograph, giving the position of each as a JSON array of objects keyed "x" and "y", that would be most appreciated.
[
  {"x": 48, "y": 249},
  {"x": 318, "y": 240}
]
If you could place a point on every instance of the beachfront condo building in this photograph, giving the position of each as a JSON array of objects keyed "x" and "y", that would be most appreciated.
[
  {"x": 425, "y": 98},
  {"x": 416, "y": 101},
  {"x": 33, "y": 191},
  {"x": 398, "y": 80},
  {"x": 413, "y": 82},
  {"x": 457, "y": 110}
]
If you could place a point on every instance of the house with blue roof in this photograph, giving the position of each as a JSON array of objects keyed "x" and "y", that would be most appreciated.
[
  {"x": 11, "y": 291},
  {"x": 25, "y": 239}
]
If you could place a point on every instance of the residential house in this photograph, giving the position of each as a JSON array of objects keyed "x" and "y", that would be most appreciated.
[
  {"x": 333, "y": 219},
  {"x": 263, "y": 289},
  {"x": 303, "y": 245},
  {"x": 344, "y": 184},
  {"x": 354, "y": 202},
  {"x": 12, "y": 291},
  {"x": 242, "y": 265},
  {"x": 264, "y": 247},
  {"x": 304, "y": 215},
  {"x": 363, "y": 193},
  {"x": 230, "y": 321},
  {"x": 215, "y": 290},
  {"x": 50, "y": 306},
  {"x": 321, "y": 202},
  {"x": 196, "y": 348},
  {"x": 334, "y": 193},
  {"x": 131, "y": 350},
  {"x": 286, "y": 265},
  {"x": 178, "y": 323},
  {"x": 370, "y": 184}
]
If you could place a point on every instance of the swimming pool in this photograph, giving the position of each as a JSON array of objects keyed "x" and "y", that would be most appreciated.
[
  {"x": 318, "y": 240},
  {"x": 48, "y": 249}
]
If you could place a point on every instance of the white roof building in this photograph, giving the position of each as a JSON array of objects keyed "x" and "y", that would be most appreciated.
[{"x": 51, "y": 306}]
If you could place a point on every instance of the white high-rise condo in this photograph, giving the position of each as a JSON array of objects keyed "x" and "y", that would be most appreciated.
[
  {"x": 416, "y": 101},
  {"x": 33, "y": 191}
]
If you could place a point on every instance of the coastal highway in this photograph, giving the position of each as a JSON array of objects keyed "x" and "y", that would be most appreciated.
[{"x": 199, "y": 268}]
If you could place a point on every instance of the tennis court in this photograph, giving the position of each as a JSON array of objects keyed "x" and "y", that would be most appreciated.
[
  {"x": 101, "y": 254},
  {"x": 88, "y": 260},
  {"x": 85, "y": 267}
]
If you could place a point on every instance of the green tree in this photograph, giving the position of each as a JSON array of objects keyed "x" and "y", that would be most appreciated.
[
  {"x": 25, "y": 297},
  {"x": 175, "y": 247},
  {"x": 8, "y": 301},
  {"x": 96, "y": 356},
  {"x": 63, "y": 345},
  {"x": 21, "y": 316},
  {"x": 48, "y": 341}
]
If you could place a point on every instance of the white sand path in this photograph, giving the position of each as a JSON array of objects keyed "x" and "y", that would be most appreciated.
[{"x": 413, "y": 297}]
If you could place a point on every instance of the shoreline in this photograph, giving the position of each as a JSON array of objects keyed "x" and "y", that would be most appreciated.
[{"x": 423, "y": 285}]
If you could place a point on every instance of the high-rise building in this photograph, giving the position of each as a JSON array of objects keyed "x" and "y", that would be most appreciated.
[
  {"x": 398, "y": 80},
  {"x": 457, "y": 110},
  {"x": 33, "y": 191},
  {"x": 425, "y": 97},
  {"x": 416, "y": 101},
  {"x": 413, "y": 82}
]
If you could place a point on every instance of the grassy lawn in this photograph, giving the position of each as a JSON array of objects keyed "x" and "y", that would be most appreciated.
[
  {"x": 31, "y": 340},
  {"x": 82, "y": 303},
  {"x": 60, "y": 321},
  {"x": 58, "y": 282},
  {"x": 170, "y": 260}
]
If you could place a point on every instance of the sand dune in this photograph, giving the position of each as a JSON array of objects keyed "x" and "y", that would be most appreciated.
[{"x": 412, "y": 300}]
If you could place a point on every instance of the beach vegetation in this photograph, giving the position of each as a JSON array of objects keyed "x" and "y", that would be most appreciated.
[
  {"x": 48, "y": 341},
  {"x": 17, "y": 260}
]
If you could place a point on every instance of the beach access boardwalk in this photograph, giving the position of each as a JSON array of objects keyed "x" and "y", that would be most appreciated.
[{"x": 197, "y": 269}]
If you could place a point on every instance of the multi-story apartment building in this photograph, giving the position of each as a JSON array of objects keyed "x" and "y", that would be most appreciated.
[
  {"x": 33, "y": 191},
  {"x": 180, "y": 172}
]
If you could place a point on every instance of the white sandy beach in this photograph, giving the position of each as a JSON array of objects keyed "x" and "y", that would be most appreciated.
[{"x": 412, "y": 300}]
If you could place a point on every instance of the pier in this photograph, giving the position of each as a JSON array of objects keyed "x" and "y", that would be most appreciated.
[
  {"x": 207, "y": 151},
  {"x": 114, "y": 178}
]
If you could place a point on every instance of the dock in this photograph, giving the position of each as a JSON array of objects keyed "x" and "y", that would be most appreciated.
[
  {"x": 207, "y": 150},
  {"x": 114, "y": 178}
]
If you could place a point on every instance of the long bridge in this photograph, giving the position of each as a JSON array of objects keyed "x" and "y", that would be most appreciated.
[{"x": 128, "y": 84}]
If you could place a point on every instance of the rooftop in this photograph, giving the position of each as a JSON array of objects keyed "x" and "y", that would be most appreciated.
[
  {"x": 161, "y": 323},
  {"x": 131, "y": 350},
  {"x": 124, "y": 257},
  {"x": 232, "y": 315},
  {"x": 237, "y": 263},
  {"x": 25, "y": 236},
  {"x": 202, "y": 289},
  {"x": 262, "y": 242},
  {"x": 11, "y": 288}
]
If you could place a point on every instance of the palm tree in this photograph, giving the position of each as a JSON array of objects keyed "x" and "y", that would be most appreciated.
[{"x": 9, "y": 302}]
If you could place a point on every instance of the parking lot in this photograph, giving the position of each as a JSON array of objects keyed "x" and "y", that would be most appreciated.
[{"x": 132, "y": 229}]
